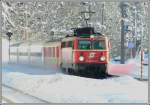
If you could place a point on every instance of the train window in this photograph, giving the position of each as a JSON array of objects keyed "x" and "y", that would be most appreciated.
[
  {"x": 49, "y": 52},
  {"x": 84, "y": 44},
  {"x": 53, "y": 52},
  {"x": 36, "y": 54},
  {"x": 98, "y": 44},
  {"x": 70, "y": 44},
  {"x": 44, "y": 50},
  {"x": 64, "y": 44}
]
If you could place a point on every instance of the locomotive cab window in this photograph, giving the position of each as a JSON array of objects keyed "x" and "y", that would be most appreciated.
[
  {"x": 99, "y": 44},
  {"x": 84, "y": 44},
  {"x": 95, "y": 44}
]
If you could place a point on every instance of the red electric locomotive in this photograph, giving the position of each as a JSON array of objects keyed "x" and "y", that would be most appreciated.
[{"x": 85, "y": 51}]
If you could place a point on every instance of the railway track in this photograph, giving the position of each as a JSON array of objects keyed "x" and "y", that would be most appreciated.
[
  {"x": 13, "y": 95},
  {"x": 6, "y": 100}
]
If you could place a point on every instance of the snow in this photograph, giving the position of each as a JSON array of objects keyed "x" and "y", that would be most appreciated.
[
  {"x": 53, "y": 86},
  {"x": 21, "y": 98},
  {"x": 56, "y": 87},
  {"x": 137, "y": 70},
  {"x": 132, "y": 67}
]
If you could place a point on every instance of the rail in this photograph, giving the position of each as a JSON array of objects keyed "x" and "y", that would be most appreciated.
[{"x": 5, "y": 98}]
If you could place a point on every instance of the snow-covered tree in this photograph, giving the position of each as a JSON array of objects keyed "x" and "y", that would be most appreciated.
[{"x": 47, "y": 20}]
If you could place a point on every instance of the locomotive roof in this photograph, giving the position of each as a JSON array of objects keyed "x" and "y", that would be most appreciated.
[{"x": 85, "y": 32}]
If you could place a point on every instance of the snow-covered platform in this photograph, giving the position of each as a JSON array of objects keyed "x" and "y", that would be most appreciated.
[{"x": 56, "y": 87}]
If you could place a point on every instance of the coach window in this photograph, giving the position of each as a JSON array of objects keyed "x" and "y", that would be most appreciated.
[
  {"x": 64, "y": 45},
  {"x": 49, "y": 52},
  {"x": 53, "y": 51},
  {"x": 70, "y": 44}
]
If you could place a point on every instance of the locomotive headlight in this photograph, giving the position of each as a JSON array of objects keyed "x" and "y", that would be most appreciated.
[
  {"x": 103, "y": 58},
  {"x": 92, "y": 36},
  {"x": 81, "y": 58}
]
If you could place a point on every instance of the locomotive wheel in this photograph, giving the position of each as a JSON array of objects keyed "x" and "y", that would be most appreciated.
[
  {"x": 77, "y": 71},
  {"x": 66, "y": 70},
  {"x": 70, "y": 71}
]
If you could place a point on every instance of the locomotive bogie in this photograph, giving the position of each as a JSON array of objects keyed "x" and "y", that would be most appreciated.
[{"x": 90, "y": 67}]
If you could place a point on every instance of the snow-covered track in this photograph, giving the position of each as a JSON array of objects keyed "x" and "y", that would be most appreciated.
[
  {"x": 6, "y": 100},
  {"x": 13, "y": 95}
]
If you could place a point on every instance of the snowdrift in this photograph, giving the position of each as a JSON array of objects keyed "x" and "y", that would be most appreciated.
[
  {"x": 121, "y": 69},
  {"x": 61, "y": 88}
]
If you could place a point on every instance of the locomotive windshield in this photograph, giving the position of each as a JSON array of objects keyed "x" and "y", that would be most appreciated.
[
  {"x": 84, "y": 44},
  {"x": 87, "y": 45},
  {"x": 98, "y": 44}
]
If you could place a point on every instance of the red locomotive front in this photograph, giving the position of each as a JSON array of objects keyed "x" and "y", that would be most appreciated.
[
  {"x": 85, "y": 53},
  {"x": 91, "y": 50}
]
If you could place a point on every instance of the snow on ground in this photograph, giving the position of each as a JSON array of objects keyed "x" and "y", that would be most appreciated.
[
  {"x": 60, "y": 88},
  {"x": 9, "y": 93},
  {"x": 137, "y": 70},
  {"x": 132, "y": 67}
]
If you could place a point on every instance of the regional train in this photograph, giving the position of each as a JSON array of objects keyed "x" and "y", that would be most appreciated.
[{"x": 85, "y": 50}]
